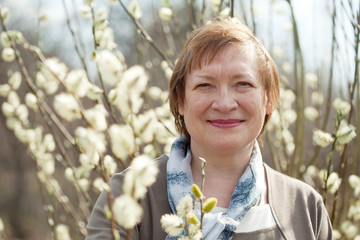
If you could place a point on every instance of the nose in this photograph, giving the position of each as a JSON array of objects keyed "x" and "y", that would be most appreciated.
[{"x": 224, "y": 101}]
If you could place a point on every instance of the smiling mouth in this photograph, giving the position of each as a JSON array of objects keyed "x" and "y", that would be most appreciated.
[{"x": 226, "y": 123}]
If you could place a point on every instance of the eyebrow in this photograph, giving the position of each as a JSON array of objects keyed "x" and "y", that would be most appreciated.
[
  {"x": 205, "y": 76},
  {"x": 211, "y": 77}
]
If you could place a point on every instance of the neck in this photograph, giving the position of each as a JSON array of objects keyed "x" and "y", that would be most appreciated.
[
  {"x": 222, "y": 170},
  {"x": 234, "y": 162}
]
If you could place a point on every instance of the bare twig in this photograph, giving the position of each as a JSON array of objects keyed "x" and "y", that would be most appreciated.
[
  {"x": 203, "y": 165},
  {"x": 145, "y": 34},
  {"x": 253, "y": 16},
  {"x": 330, "y": 87},
  {"x": 190, "y": 10},
  {"x": 232, "y": 9},
  {"x": 330, "y": 84},
  {"x": 244, "y": 11},
  {"x": 299, "y": 73},
  {"x": 71, "y": 165},
  {"x": 274, "y": 159},
  {"x": 202, "y": 17},
  {"x": 109, "y": 196},
  {"x": 109, "y": 106},
  {"x": 33, "y": 88},
  {"x": 352, "y": 94},
  {"x": 75, "y": 40}
]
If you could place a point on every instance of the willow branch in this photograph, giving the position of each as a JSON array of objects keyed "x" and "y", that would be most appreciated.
[
  {"x": 75, "y": 40},
  {"x": 110, "y": 196},
  {"x": 232, "y": 9},
  {"x": 352, "y": 93},
  {"x": 274, "y": 159},
  {"x": 190, "y": 10},
  {"x": 71, "y": 165},
  {"x": 62, "y": 199},
  {"x": 244, "y": 12},
  {"x": 145, "y": 34},
  {"x": 330, "y": 84},
  {"x": 253, "y": 16},
  {"x": 33, "y": 89},
  {"x": 109, "y": 106},
  {"x": 297, "y": 158},
  {"x": 43, "y": 199},
  {"x": 203, "y": 11}
]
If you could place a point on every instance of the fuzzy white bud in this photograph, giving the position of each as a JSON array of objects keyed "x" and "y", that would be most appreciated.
[
  {"x": 67, "y": 107},
  {"x": 4, "y": 90},
  {"x": 85, "y": 12},
  {"x": 312, "y": 80},
  {"x": 4, "y": 14},
  {"x": 165, "y": 13},
  {"x": 62, "y": 232},
  {"x": 31, "y": 101},
  {"x": 341, "y": 106},
  {"x": 122, "y": 140},
  {"x": 311, "y": 113},
  {"x": 91, "y": 141},
  {"x": 322, "y": 138},
  {"x": 127, "y": 211},
  {"x": 96, "y": 117},
  {"x": 8, "y": 54},
  {"x": 110, "y": 66},
  {"x": 135, "y": 9},
  {"x": 4, "y": 40},
  {"x": 15, "y": 80},
  {"x": 141, "y": 175},
  {"x": 172, "y": 224},
  {"x": 345, "y": 132},
  {"x": 184, "y": 206},
  {"x": 77, "y": 82}
]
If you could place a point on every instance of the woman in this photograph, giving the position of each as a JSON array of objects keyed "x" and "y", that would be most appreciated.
[{"x": 222, "y": 92}]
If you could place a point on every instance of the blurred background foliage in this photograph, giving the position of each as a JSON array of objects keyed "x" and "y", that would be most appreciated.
[{"x": 315, "y": 45}]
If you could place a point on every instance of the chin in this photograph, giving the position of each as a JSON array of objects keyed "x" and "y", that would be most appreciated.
[
  {"x": 232, "y": 142},
  {"x": 227, "y": 145}
]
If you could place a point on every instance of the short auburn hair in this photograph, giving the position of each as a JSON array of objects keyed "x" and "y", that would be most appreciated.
[{"x": 202, "y": 46}]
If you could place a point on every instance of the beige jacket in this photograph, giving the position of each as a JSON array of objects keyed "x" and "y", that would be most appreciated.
[{"x": 297, "y": 208}]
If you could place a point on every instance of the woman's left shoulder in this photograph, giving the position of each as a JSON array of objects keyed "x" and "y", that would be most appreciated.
[
  {"x": 290, "y": 185},
  {"x": 297, "y": 207}
]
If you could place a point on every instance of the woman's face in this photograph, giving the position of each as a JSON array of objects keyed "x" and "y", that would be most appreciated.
[{"x": 225, "y": 102}]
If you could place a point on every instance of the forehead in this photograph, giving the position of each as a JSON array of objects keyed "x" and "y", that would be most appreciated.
[
  {"x": 231, "y": 60},
  {"x": 230, "y": 50}
]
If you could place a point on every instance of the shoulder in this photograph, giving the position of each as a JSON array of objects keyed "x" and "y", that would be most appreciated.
[
  {"x": 294, "y": 188},
  {"x": 297, "y": 207},
  {"x": 162, "y": 161},
  {"x": 160, "y": 185},
  {"x": 154, "y": 205},
  {"x": 116, "y": 180}
]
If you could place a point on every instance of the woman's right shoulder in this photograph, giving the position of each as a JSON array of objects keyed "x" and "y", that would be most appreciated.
[
  {"x": 160, "y": 161},
  {"x": 117, "y": 179}
]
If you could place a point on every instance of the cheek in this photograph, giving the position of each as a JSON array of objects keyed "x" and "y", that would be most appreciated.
[
  {"x": 195, "y": 102},
  {"x": 255, "y": 103}
]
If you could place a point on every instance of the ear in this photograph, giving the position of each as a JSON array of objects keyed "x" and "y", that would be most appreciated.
[
  {"x": 269, "y": 106},
  {"x": 181, "y": 107}
]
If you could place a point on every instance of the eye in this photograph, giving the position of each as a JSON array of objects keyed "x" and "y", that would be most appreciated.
[
  {"x": 243, "y": 84},
  {"x": 203, "y": 85}
]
